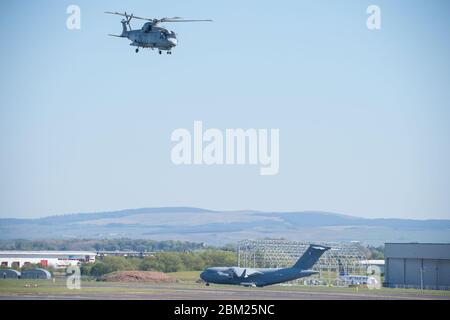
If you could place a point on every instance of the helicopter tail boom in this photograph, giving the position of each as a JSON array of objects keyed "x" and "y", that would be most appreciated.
[{"x": 124, "y": 28}]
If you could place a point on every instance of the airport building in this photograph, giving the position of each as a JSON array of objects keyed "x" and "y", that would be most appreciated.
[
  {"x": 9, "y": 274},
  {"x": 55, "y": 259},
  {"x": 277, "y": 253},
  {"x": 373, "y": 264},
  {"x": 36, "y": 274},
  {"x": 417, "y": 265}
]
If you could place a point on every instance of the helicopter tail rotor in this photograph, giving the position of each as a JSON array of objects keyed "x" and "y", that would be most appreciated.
[{"x": 126, "y": 21}]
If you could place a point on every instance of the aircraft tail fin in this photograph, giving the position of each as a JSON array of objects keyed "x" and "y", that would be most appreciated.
[
  {"x": 124, "y": 28},
  {"x": 310, "y": 257}
]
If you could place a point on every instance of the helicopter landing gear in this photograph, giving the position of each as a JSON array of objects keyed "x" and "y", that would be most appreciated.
[{"x": 137, "y": 50}]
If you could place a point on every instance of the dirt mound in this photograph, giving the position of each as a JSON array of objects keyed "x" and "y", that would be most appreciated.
[{"x": 137, "y": 276}]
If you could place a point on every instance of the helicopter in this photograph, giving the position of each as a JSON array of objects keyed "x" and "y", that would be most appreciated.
[{"x": 151, "y": 35}]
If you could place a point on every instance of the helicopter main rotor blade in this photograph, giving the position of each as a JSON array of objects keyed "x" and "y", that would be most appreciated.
[
  {"x": 173, "y": 19},
  {"x": 117, "y": 13},
  {"x": 128, "y": 16},
  {"x": 184, "y": 20}
]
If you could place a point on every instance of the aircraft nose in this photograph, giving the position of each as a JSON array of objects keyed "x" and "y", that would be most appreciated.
[
  {"x": 173, "y": 41},
  {"x": 203, "y": 275}
]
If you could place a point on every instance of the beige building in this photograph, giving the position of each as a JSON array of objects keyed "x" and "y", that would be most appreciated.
[{"x": 54, "y": 259}]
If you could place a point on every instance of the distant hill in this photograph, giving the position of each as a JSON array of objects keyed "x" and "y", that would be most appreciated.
[{"x": 220, "y": 227}]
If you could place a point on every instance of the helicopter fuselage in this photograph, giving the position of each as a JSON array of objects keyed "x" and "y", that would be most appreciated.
[{"x": 158, "y": 38}]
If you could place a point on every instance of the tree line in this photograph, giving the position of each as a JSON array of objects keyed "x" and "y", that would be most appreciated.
[
  {"x": 140, "y": 245},
  {"x": 376, "y": 253},
  {"x": 162, "y": 262}
]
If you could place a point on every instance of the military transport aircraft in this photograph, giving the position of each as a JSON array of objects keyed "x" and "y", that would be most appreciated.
[{"x": 263, "y": 277}]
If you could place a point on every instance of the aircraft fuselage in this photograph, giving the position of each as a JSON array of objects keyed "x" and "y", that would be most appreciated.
[{"x": 264, "y": 277}]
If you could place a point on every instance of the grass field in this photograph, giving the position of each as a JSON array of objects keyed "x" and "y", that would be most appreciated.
[
  {"x": 93, "y": 289},
  {"x": 192, "y": 276},
  {"x": 187, "y": 288},
  {"x": 186, "y": 276}
]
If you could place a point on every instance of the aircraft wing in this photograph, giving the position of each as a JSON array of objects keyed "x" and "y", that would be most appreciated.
[{"x": 245, "y": 272}]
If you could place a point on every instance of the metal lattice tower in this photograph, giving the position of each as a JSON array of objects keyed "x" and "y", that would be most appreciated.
[{"x": 270, "y": 253}]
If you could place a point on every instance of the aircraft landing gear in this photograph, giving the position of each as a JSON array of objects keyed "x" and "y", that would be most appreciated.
[
  {"x": 160, "y": 52},
  {"x": 207, "y": 284},
  {"x": 137, "y": 50},
  {"x": 169, "y": 52}
]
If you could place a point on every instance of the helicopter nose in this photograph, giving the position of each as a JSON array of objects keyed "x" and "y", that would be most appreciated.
[{"x": 173, "y": 41}]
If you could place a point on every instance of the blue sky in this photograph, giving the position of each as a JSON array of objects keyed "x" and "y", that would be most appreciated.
[{"x": 85, "y": 123}]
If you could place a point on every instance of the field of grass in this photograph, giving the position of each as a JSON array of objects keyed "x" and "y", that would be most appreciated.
[
  {"x": 45, "y": 287},
  {"x": 187, "y": 281},
  {"x": 186, "y": 276}
]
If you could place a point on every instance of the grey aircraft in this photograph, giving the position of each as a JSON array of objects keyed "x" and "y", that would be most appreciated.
[
  {"x": 263, "y": 277},
  {"x": 151, "y": 35}
]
